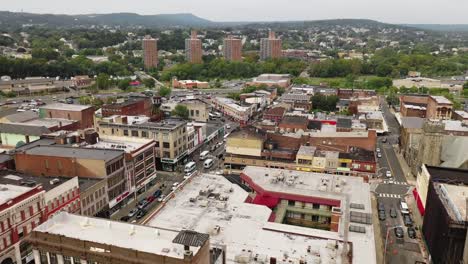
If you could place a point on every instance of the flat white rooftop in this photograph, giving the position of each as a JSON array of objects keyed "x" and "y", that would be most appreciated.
[
  {"x": 126, "y": 144},
  {"x": 321, "y": 185},
  {"x": 66, "y": 107},
  {"x": 9, "y": 191},
  {"x": 211, "y": 204},
  {"x": 119, "y": 234}
]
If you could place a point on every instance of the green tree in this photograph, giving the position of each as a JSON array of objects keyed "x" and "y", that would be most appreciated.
[
  {"x": 85, "y": 100},
  {"x": 149, "y": 83},
  {"x": 465, "y": 86},
  {"x": 124, "y": 84},
  {"x": 164, "y": 91},
  {"x": 103, "y": 81},
  {"x": 181, "y": 111}
]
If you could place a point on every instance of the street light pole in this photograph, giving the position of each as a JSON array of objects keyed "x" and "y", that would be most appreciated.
[{"x": 386, "y": 239}]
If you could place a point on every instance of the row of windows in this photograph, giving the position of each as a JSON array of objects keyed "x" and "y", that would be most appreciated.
[
  {"x": 61, "y": 199},
  {"x": 114, "y": 166},
  {"x": 97, "y": 194}
]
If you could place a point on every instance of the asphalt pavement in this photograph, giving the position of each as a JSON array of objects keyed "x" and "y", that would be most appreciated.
[{"x": 390, "y": 191}]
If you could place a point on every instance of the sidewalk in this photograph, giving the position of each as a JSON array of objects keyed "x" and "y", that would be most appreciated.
[
  {"x": 404, "y": 167},
  {"x": 379, "y": 242}
]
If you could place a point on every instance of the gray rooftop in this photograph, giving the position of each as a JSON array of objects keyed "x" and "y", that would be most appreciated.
[
  {"x": 72, "y": 152},
  {"x": 23, "y": 129},
  {"x": 412, "y": 122}
]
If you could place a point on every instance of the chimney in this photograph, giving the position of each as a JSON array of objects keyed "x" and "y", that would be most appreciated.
[
  {"x": 271, "y": 35},
  {"x": 194, "y": 34}
]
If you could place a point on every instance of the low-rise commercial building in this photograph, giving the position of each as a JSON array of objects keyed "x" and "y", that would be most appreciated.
[
  {"x": 229, "y": 107},
  {"x": 170, "y": 136},
  {"x": 424, "y": 106},
  {"x": 65, "y": 161},
  {"x": 84, "y": 114},
  {"x": 189, "y": 84},
  {"x": 274, "y": 114},
  {"x": 77, "y": 239},
  {"x": 445, "y": 220},
  {"x": 297, "y": 100},
  {"x": 269, "y": 80},
  {"x": 130, "y": 107}
]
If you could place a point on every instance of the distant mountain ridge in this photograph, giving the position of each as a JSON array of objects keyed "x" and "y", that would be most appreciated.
[{"x": 12, "y": 19}]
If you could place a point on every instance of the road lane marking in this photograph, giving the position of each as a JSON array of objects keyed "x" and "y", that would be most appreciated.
[{"x": 389, "y": 195}]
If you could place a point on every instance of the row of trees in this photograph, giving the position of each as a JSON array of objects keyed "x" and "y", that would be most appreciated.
[{"x": 220, "y": 68}]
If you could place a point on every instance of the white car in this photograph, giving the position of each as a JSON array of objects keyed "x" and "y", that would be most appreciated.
[
  {"x": 174, "y": 185},
  {"x": 228, "y": 126},
  {"x": 388, "y": 174},
  {"x": 161, "y": 198},
  {"x": 377, "y": 149}
]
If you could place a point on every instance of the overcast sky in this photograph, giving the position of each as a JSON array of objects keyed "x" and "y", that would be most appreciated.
[{"x": 391, "y": 11}]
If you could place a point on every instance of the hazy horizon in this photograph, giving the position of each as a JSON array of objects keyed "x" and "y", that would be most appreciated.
[{"x": 397, "y": 11}]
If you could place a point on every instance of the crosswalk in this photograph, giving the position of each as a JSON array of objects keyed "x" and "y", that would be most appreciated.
[
  {"x": 395, "y": 182},
  {"x": 389, "y": 195}
]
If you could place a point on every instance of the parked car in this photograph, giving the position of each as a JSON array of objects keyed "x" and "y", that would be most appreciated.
[
  {"x": 381, "y": 206},
  {"x": 150, "y": 198},
  {"x": 407, "y": 220},
  {"x": 133, "y": 212},
  {"x": 377, "y": 149},
  {"x": 174, "y": 185},
  {"x": 142, "y": 204},
  {"x": 411, "y": 232},
  {"x": 382, "y": 216},
  {"x": 399, "y": 232},
  {"x": 228, "y": 126},
  {"x": 384, "y": 140},
  {"x": 140, "y": 214},
  {"x": 379, "y": 155},
  {"x": 157, "y": 193},
  {"x": 393, "y": 213},
  {"x": 125, "y": 218},
  {"x": 161, "y": 198}
]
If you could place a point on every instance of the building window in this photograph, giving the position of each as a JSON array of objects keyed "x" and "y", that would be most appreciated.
[
  {"x": 166, "y": 145},
  {"x": 316, "y": 206},
  {"x": 291, "y": 203},
  {"x": 134, "y": 133},
  {"x": 144, "y": 134},
  {"x": 157, "y": 144},
  {"x": 125, "y": 132}
]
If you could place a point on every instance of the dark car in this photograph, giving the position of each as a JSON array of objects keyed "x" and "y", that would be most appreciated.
[
  {"x": 142, "y": 204},
  {"x": 125, "y": 218},
  {"x": 157, "y": 193},
  {"x": 140, "y": 214},
  {"x": 407, "y": 220},
  {"x": 381, "y": 206},
  {"x": 399, "y": 232},
  {"x": 384, "y": 140},
  {"x": 393, "y": 213},
  {"x": 382, "y": 215},
  {"x": 411, "y": 232}
]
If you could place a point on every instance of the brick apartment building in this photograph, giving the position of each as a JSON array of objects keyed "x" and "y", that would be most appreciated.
[
  {"x": 355, "y": 93},
  {"x": 77, "y": 239},
  {"x": 297, "y": 100},
  {"x": 271, "y": 47},
  {"x": 150, "y": 52},
  {"x": 132, "y": 107},
  {"x": 232, "y": 49},
  {"x": 193, "y": 48},
  {"x": 84, "y": 114}
]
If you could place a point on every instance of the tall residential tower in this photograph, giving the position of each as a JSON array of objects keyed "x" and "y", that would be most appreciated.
[
  {"x": 270, "y": 47},
  {"x": 150, "y": 52},
  {"x": 193, "y": 48},
  {"x": 232, "y": 49}
]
